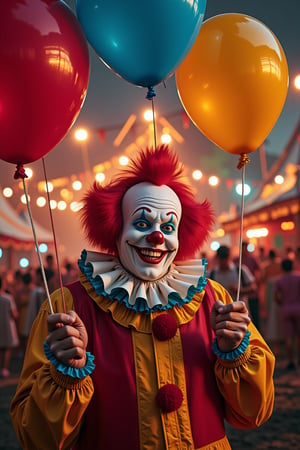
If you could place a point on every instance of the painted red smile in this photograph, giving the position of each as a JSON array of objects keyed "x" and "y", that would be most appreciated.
[{"x": 150, "y": 255}]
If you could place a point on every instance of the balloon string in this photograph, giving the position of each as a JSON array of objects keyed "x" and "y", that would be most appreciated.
[
  {"x": 150, "y": 96},
  {"x": 23, "y": 176},
  {"x": 242, "y": 164},
  {"x": 54, "y": 238}
]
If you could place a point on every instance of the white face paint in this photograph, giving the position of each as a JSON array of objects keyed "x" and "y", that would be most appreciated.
[{"x": 149, "y": 239}]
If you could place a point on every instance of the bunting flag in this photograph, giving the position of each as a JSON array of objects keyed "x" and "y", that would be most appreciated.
[
  {"x": 185, "y": 121},
  {"x": 101, "y": 134}
]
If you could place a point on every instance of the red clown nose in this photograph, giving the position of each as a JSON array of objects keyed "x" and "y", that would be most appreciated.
[{"x": 155, "y": 238}]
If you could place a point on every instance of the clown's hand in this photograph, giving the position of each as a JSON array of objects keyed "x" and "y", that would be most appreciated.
[
  {"x": 67, "y": 338},
  {"x": 230, "y": 323}
]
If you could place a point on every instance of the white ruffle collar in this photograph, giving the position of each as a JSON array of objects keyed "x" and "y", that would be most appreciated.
[{"x": 110, "y": 279}]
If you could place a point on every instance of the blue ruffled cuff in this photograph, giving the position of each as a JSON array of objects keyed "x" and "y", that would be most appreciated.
[
  {"x": 68, "y": 370},
  {"x": 234, "y": 354}
]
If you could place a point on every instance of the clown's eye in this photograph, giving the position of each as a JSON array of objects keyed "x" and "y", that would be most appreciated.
[
  {"x": 167, "y": 228},
  {"x": 141, "y": 224}
]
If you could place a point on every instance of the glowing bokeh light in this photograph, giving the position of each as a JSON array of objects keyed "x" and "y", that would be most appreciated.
[
  {"x": 48, "y": 187},
  {"x": 81, "y": 134},
  {"x": 297, "y": 82},
  {"x": 100, "y": 177},
  {"x": 287, "y": 226},
  {"x": 76, "y": 206},
  {"x": 197, "y": 175},
  {"x": 43, "y": 248},
  {"x": 7, "y": 192},
  {"x": 77, "y": 185},
  {"x": 148, "y": 115},
  {"x": 24, "y": 262},
  {"x": 29, "y": 172},
  {"x": 61, "y": 205},
  {"x": 24, "y": 200},
  {"x": 279, "y": 179},
  {"x": 214, "y": 245},
  {"x": 166, "y": 138},
  {"x": 239, "y": 189},
  {"x": 213, "y": 180},
  {"x": 41, "y": 202},
  {"x": 123, "y": 160},
  {"x": 53, "y": 204},
  {"x": 256, "y": 233}
]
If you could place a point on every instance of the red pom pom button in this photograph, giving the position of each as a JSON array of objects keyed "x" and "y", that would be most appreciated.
[
  {"x": 164, "y": 327},
  {"x": 169, "y": 398}
]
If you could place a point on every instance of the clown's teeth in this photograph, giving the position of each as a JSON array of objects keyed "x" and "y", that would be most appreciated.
[{"x": 152, "y": 253}]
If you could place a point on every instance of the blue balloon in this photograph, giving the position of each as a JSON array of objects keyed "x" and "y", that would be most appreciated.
[{"x": 142, "y": 41}]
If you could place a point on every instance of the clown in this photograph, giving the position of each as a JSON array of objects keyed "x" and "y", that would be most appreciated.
[{"x": 151, "y": 354}]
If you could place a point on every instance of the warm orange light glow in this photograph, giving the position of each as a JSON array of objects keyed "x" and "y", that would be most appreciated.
[
  {"x": 279, "y": 179},
  {"x": 53, "y": 204},
  {"x": 81, "y": 134},
  {"x": 23, "y": 199},
  {"x": 76, "y": 206},
  {"x": 41, "y": 201},
  {"x": 148, "y": 115},
  {"x": 66, "y": 194},
  {"x": 287, "y": 226},
  {"x": 213, "y": 180},
  {"x": 257, "y": 232},
  {"x": 61, "y": 205},
  {"x": 197, "y": 175},
  {"x": 48, "y": 187},
  {"x": 123, "y": 160},
  {"x": 100, "y": 177},
  {"x": 220, "y": 232},
  {"x": 29, "y": 172},
  {"x": 297, "y": 82},
  {"x": 76, "y": 185},
  {"x": 7, "y": 192},
  {"x": 166, "y": 138}
]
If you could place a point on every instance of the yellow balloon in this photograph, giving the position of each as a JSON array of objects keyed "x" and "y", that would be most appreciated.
[{"x": 234, "y": 81}]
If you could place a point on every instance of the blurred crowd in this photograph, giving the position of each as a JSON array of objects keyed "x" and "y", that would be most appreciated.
[
  {"x": 267, "y": 281},
  {"x": 21, "y": 294}
]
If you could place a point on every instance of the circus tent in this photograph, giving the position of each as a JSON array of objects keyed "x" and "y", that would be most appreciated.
[{"x": 16, "y": 234}]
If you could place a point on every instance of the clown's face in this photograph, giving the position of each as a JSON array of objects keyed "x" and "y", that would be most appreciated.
[{"x": 149, "y": 239}]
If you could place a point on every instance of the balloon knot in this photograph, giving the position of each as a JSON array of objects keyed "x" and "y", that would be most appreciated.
[
  {"x": 150, "y": 93},
  {"x": 20, "y": 172},
  {"x": 243, "y": 161}
]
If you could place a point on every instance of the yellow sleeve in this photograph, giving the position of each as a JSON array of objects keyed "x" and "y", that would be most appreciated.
[
  {"x": 48, "y": 408},
  {"x": 246, "y": 383}
]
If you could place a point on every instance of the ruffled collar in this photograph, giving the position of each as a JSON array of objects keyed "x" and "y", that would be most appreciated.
[{"x": 110, "y": 280}]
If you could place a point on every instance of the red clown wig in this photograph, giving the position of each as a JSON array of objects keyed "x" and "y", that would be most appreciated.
[{"x": 101, "y": 215}]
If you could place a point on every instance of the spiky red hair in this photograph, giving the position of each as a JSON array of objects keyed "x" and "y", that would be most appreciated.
[{"x": 101, "y": 215}]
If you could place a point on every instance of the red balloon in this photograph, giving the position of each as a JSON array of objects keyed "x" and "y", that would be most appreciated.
[{"x": 44, "y": 76}]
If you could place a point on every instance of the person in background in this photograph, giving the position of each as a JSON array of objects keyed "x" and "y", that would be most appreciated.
[
  {"x": 8, "y": 329},
  {"x": 22, "y": 297},
  {"x": 37, "y": 297},
  {"x": 289, "y": 253},
  {"x": 287, "y": 295},
  {"x": 52, "y": 274},
  {"x": 253, "y": 299},
  {"x": 226, "y": 272},
  {"x": 297, "y": 260},
  {"x": 70, "y": 273},
  {"x": 269, "y": 273},
  {"x": 150, "y": 354},
  {"x": 262, "y": 257}
]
